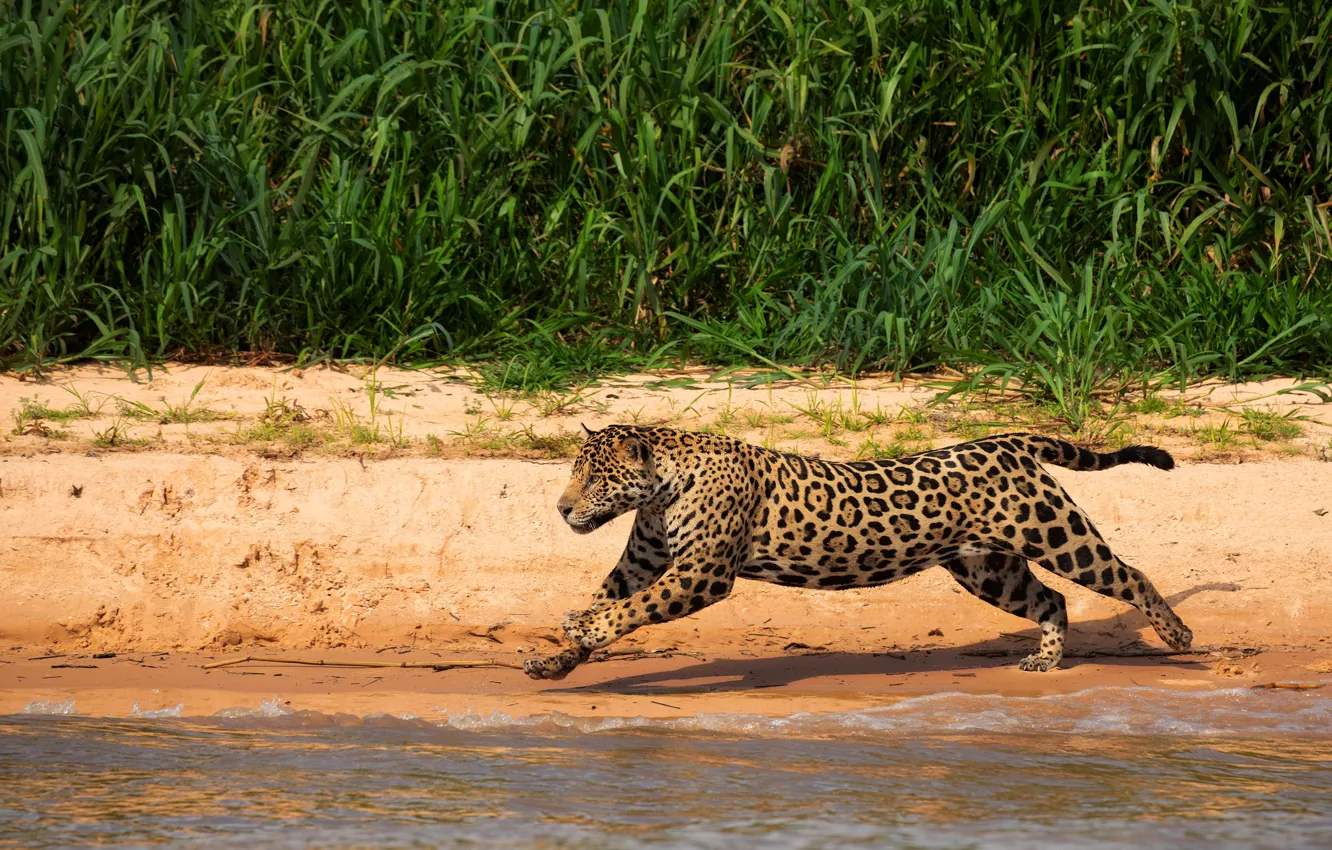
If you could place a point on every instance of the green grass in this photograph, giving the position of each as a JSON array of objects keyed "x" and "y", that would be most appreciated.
[
  {"x": 189, "y": 410},
  {"x": 1055, "y": 196},
  {"x": 969, "y": 430},
  {"x": 901, "y": 445},
  {"x": 1270, "y": 426},
  {"x": 33, "y": 410},
  {"x": 1150, "y": 404},
  {"x": 764, "y": 417},
  {"x": 481, "y": 435},
  {"x": 116, "y": 435},
  {"x": 1220, "y": 438}
]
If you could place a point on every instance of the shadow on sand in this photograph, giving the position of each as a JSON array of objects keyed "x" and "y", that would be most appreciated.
[{"x": 746, "y": 674}]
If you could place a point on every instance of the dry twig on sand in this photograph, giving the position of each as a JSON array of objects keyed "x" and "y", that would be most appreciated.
[
  {"x": 1290, "y": 686},
  {"x": 437, "y": 666},
  {"x": 1226, "y": 652}
]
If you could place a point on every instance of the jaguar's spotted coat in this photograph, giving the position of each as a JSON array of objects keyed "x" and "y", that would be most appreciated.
[{"x": 712, "y": 509}]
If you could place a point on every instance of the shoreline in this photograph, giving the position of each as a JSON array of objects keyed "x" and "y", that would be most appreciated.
[{"x": 648, "y": 687}]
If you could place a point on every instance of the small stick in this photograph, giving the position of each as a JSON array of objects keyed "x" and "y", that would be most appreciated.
[
  {"x": 667, "y": 704},
  {"x": 421, "y": 665},
  {"x": 1243, "y": 652},
  {"x": 634, "y": 650},
  {"x": 1290, "y": 686}
]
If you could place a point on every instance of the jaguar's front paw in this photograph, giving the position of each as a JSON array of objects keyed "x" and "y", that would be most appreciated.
[
  {"x": 543, "y": 668},
  {"x": 555, "y": 666}
]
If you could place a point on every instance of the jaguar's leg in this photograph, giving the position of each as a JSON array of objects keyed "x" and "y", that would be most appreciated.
[
  {"x": 1072, "y": 548},
  {"x": 1006, "y": 582},
  {"x": 682, "y": 590},
  {"x": 644, "y": 560}
]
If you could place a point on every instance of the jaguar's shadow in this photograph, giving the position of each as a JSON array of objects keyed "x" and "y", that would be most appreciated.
[{"x": 745, "y": 674}]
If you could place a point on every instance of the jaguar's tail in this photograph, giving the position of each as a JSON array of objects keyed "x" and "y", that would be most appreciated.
[{"x": 1065, "y": 454}]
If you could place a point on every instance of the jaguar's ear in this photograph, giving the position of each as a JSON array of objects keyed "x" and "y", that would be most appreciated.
[
  {"x": 587, "y": 432},
  {"x": 635, "y": 450}
]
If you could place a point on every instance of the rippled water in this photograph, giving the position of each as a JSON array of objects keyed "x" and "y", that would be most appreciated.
[{"x": 1100, "y": 768}]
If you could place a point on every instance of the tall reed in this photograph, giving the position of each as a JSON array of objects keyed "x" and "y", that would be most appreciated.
[{"x": 1055, "y": 191}]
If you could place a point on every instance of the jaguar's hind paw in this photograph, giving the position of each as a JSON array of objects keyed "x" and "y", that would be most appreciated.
[{"x": 1038, "y": 663}]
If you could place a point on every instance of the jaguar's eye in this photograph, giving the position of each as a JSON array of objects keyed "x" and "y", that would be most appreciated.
[{"x": 591, "y": 482}]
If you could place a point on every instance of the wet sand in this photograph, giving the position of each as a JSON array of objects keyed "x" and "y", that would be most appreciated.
[{"x": 720, "y": 683}]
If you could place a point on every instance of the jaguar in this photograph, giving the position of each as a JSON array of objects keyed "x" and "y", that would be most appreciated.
[{"x": 712, "y": 509}]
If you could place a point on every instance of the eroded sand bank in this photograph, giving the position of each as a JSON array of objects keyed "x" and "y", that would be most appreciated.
[{"x": 173, "y": 554}]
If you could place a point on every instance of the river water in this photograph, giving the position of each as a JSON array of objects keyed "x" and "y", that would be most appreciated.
[{"x": 1101, "y": 768}]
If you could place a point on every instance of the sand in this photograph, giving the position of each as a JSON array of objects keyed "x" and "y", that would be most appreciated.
[{"x": 177, "y": 549}]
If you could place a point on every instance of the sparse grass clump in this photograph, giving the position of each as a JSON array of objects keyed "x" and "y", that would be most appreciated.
[
  {"x": 969, "y": 430},
  {"x": 188, "y": 411},
  {"x": 481, "y": 435},
  {"x": 915, "y": 434},
  {"x": 286, "y": 422},
  {"x": 872, "y": 449},
  {"x": 130, "y": 409},
  {"x": 562, "y": 404},
  {"x": 32, "y": 410},
  {"x": 88, "y": 404},
  {"x": 1120, "y": 434},
  {"x": 765, "y": 417},
  {"x": 907, "y": 441},
  {"x": 351, "y": 427},
  {"x": 1180, "y": 408},
  {"x": 32, "y": 416},
  {"x": 1270, "y": 426},
  {"x": 1150, "y": 405},
  {"x": 116, "y": 435},
  {"x": 1217, "y": 438},
  {"x": 559, "y": 445}
]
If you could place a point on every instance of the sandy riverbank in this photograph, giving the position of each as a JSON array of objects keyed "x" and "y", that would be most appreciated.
[{"x": 206, "y": 548}]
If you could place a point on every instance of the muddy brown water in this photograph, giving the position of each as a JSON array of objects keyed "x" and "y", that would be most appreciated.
[{"x": 1099, "y": 768}]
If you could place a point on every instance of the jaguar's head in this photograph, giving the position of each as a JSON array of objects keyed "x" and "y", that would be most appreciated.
[{"x": 613, "y": 473}]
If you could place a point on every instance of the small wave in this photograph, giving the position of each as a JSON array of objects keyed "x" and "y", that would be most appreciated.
[
  {"x": 1104, "y": 710},
  {"x": 157, "y": 713},
  {"x": 1111, "y": 710},
  {"x": 267, "y": 708},
  {"x": 46, "y": 706}
]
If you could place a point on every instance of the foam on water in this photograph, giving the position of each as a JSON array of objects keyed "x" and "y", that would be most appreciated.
[
  {"x": 1105, "y": 710},
  {"x": 46, "y": 706},
  {"x": 157, "y": 713},
  {"x": 267, "y": 709},
  {"x": 1127, "y": 711}
]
